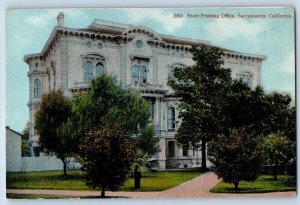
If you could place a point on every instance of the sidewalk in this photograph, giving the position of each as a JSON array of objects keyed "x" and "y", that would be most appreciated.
[{"x": 196, "y": 188}]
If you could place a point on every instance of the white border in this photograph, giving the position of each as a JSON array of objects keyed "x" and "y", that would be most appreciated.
[{"x": 4, "y": 4}]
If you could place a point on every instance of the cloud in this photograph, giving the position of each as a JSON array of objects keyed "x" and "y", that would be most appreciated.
[
  {"x": 223, "y": 29},
  {"x": 48, "y": 17},
  {"x": 288, "y": 65},
  {"x": 166, "y": 20}
]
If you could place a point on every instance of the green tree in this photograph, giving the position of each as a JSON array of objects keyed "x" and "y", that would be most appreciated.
[
  {"x": 244, "y": 108},
  {"x": 146, "y": 142},
  {"x": 277, "y": 149},
  {"x": 282, "y": 117},
  {"x": 25, "y": 132},
  {"x": 236, "y": 156},
  {"x": 51, "y": 124},
  {"x": 146, "y": 146},
  {"x": 201, "y": 89},
  {"x": 106, "y": 155},
  {"x": 107, "y": 101},
  {"x": 24, "y": 141}
]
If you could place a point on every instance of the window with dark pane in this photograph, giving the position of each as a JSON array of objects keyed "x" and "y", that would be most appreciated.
[
  {"x": 88, "y": 71},
  {"x": 37, "y": 88},
  {"x": 135, "y": 73},
  {"x": 99, "y": 69},
  {"x": 171, "y": 119},
  {"x": 143, "y": 74}
]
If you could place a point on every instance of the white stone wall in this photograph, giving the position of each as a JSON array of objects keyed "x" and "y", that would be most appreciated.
[
  {"x": 42, "y": 163},
  {"x": 16, "y": 163},
  {"x": 13, "y": 151}
]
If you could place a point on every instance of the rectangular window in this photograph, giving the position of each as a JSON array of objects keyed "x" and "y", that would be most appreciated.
[{"x": 184, "y": 152}]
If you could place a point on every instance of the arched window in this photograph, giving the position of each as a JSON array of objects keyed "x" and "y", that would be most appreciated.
[
  {"x": 246, "y": 78},
  {"x": 171, "y": 119},
  {"x": 88, "y": 71},
  {"x": 99, "y": 69},
  {"x": 171, "y": 75},
  {"x": 143, "y": 74},
  {"x": 248, "y": 82},
  {"x": 37, "y": 88},
  {"x": 135, "y": 73},
  {"x": 171, "y": 149}
]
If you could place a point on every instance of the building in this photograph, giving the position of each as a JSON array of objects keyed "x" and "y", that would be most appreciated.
[
  {"x": 140, "y": 58},
  {"x": 13, "y": 150}
]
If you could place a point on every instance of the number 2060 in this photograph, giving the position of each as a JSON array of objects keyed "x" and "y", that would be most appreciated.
[{"x": 177, "y": 15}]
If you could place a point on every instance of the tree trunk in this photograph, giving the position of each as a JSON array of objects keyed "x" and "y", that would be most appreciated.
[
  {"x": 102, "y": 192},
  {"x": 236, "y": 184},
  {"x": 275, "y": 170},
  {"x": 65, "y": 167},
  {"x": 203, "y": 153}
]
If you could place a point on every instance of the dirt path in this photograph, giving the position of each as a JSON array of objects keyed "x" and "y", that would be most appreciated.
[{"x": 196, "y": 188}]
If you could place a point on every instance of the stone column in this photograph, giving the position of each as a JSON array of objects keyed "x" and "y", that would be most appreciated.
[
  {"x": 162, "y": 154},
  {"x": 123, "y": 63},
  {"x": 155, "y": 67},
  {"x": 64, "y": 66},
  {"x": 156, "y": 109}
]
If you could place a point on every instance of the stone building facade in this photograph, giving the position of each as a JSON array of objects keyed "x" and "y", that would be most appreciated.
[{"x": 140, "y": 58}]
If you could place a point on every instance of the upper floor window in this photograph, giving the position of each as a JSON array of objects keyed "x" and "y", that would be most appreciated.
[
  {"x": 139, "y": 44},
  {"x": 99, "y": 69},
  {"x": 248, "y": 82},
  {"x": 143, "y": 74},
  {"x": 171, "y": 119},
  {"x": 88, "y": 44},
  {"x": 246, "y": 78},
  {"x": 99, "y": 45},
  {"x": 93, "y": 66},
  {"x": 171, "y": 75},
  {"x": 135, "y": 73},
  {"x": 88, "y": 71},
  {"x": 139, "y": 74},
  {"x": 37, "y": 88},
  {"x": 242, "y": 65}
]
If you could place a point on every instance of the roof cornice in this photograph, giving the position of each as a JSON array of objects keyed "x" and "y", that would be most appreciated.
[{"x": 167, "y": 41}]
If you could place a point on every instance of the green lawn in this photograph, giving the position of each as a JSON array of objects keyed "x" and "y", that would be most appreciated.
[
  {"x": 263, "y": 184},
  {"x": 156, "y": 181},
  {"x": 32, "y": 196}
]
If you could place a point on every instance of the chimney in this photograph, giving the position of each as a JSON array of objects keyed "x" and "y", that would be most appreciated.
[{"x": 60, "y": 19}]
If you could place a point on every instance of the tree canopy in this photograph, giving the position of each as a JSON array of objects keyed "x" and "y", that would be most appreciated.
[
  {"x": 243, "y": 107},
  {"x": 277, "y": 149},
  {"x": 146, "y": 146},
  {"x": 50, "y": 121},
  {"x": 106, "y": 101},
  {"x": 25, "y": 141},
  {"x": 106, "y": 155},
  {"x": 282, "y": 116},
  {"x": 201, "y": 89},
  {"x": 236, "y": 156}
]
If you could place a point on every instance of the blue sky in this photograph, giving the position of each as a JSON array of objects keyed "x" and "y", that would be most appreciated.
[{"x": 28, "y": 30}]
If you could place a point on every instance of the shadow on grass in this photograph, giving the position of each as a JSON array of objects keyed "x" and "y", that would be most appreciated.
[
  {"x": 242, "y": 190},
  {"x": 107, "y": 197}
]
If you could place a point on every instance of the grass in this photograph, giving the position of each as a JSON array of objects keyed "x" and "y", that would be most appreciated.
[
  {"x": 156, "y": 181},
  {"x": 263, "y": 184},
  {"x": 32, "y": 196}
]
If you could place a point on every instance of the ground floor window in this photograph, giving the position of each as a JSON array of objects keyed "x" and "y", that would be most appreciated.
[
  {"x": 171, "y": 149},
  {"x": 184, "y": 151}
]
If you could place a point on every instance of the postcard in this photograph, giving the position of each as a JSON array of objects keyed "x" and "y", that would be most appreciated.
[{"x": 150, "y": 103}]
